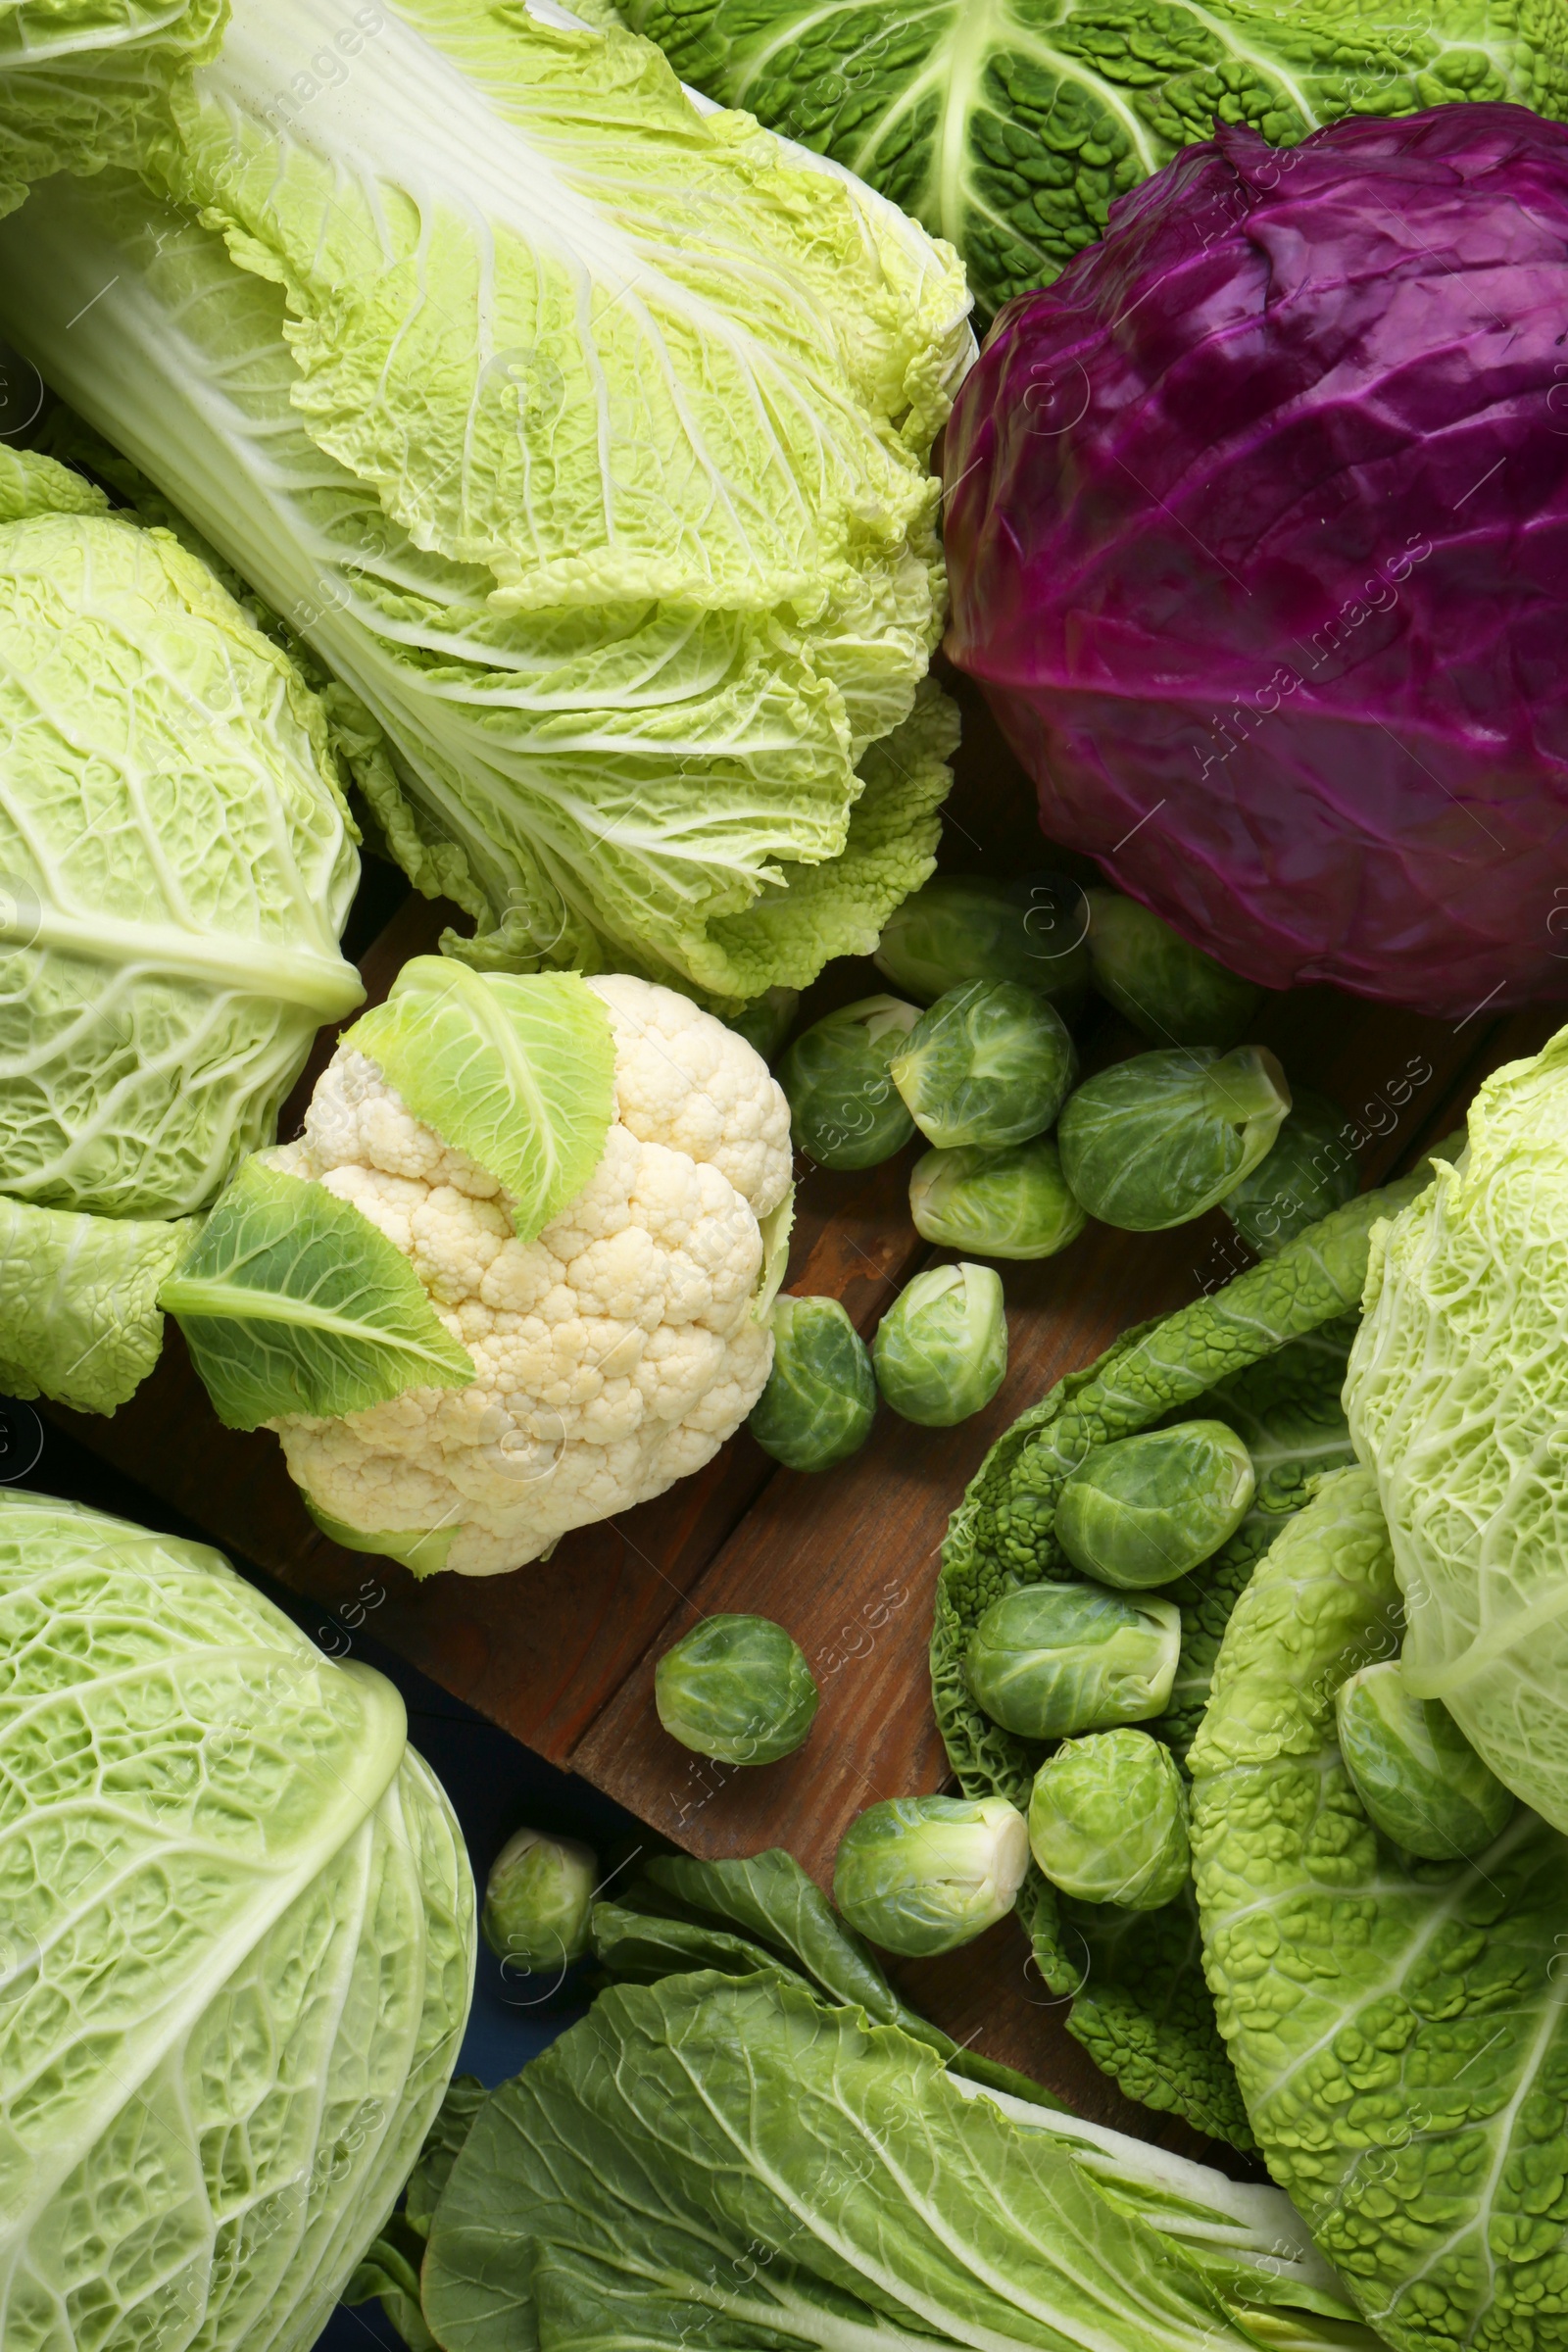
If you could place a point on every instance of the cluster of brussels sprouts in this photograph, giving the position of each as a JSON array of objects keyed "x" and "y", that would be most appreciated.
[{"x": 977, "y": 1058}]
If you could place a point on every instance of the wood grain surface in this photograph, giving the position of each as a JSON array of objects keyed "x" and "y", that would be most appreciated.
[{"x": 562, "y": 1655}]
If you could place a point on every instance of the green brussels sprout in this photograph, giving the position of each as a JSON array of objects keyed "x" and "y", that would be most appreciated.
[
  {"x": 765, "y": 1021},
  {"x": 1012, "y": 1203},
  {"x": 1175, "y": 993},
  {"x": 1146, "y": 1510},
  {"x": 1307, "y": 1170},
  {"x": 821, "y": 1397},
  {"x": 924, "y": 1874},
  {"x": 941, "y": 1349},
  {"x": 844, "y": 1109},
  {"x": 1108, "y": 1821},
  {"x": 736, "y": 1688},
  {"x": 1420, "y": 1779},
  {"x": 1048, "y": 1660},
  {"x": 961, "y": 927},
  {"x": 536, "y": 1901},
  {"x": 1156, "y": 1141},
  {"x": 990, "y": 1064}
]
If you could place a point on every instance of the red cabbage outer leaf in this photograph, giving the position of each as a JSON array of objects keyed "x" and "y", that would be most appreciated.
[{"x": 1257, "y": 524}]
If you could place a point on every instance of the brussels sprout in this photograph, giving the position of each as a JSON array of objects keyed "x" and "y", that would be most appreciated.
[
  {"x": 736, "y": 1688},
  {"x": 1307, "y": 1170},
  {"x": 961, "y": 927},
  {"x": 536, "y": 1901},
  {"x": 844, "y": 1109},
  {"x": 1175, "y": 993},
  {"x": 1156, "y": 1141},
  {"x": 1146, "y": 1510},
  {"x": 988, "y": 1065},
  {"x": 1420, "y": 1779},
  {"x": 765, "y": 1021},
  {"x": 941, "y": 1349},
  {"x": 924, "y": 1874},
  {"x": 1108, "y": 1821},
  {"x": 1012, "y": 1203},
  {"x": 1048, "y": 1660},
  {"x": 821, "y": 1397}
]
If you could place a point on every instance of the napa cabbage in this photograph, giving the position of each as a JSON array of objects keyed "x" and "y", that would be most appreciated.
[
  {"x": 1458, "y": 1396},
  {"x": 585, "y": 437},
  {"x": 1010, "y": 125},
  {"x": 84, "y": 82},
  {"x": 236, "y": 1954},
  {"x": 177, "y": 863}
]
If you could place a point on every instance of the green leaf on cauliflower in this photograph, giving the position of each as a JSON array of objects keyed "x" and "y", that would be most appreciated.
[
  {"x": 1011, "y": 127},
  {"x": 1399, "y": 2029},
  {"x": 422, "y": 1550},
  {"x": 292, "y": 1302},
  {"x": 520, "y": 1074},
  {"x": 80, "y": 1319}
]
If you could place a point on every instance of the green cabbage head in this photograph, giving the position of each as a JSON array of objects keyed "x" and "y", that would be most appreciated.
[
  {"x": 1458, "y": 1399},
  {"x": 236, "y": 1950},
  {"x": 177, "y": 863}
]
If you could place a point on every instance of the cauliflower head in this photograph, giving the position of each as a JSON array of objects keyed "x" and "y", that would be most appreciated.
[{"x": 615, "y": 1354}]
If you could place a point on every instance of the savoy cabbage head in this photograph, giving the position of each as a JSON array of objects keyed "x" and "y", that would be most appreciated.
[
  {"x": 1458, "y": 1396},
  {"x": 1010, "y": 125},
  {"x": 1397, "y": 2026},
  {"x": 177, "y": 863},
  {"x": 236, "y": 1953}
]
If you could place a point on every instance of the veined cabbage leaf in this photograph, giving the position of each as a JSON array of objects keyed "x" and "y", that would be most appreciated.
[
  {"x": 583, "y": 435},
  {"x": 1399, "y": 2027},
  {"x": 177, "y": 863},
  {"x": 706, "y": 2162},
  {"x": 1458, "y": 1396},
  {"x": 237, "y": 1953},
  {"x": 1010, "y": 125},
  {"x": 85, "y": 82}
]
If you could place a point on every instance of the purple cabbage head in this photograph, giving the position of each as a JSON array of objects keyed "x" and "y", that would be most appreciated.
[{"x": 1257, "y": 521}]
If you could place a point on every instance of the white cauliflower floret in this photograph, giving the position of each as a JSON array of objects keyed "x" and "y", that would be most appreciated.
[{"x": 611, "y": 1356}]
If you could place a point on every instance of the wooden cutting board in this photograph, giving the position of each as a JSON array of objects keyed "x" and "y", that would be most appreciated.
[{"x": 563, "y": 1654}]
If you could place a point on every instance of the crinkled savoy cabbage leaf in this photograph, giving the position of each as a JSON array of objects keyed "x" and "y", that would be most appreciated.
[
  {"x": 1010, "y": 125},
  {"x": 79, "y": 1319},
  {"x": 1398, "y": 2029},
  {"x": 644, "y": 608},
  {"x": 239, "y": 1938},
  {"x": 176, "y": 864},
  {"x": 1266, "y": 1353},
  {"x": 1458, "y": 1395}
]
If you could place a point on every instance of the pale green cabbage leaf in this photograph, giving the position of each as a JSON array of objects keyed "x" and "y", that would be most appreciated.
[
  {"x": 237, "y": 1950},
  {"x": 85, "y": 82},
  {"x": 1010, "y": 125},
  {"x": 739, "y": 2166},
  {"x": 1458, "y": 1395},
  {"x": 632, "y": 554},
  {"x": 177, "y": 863},
  {"x": 520, "y": 1074},
  {"x": 292, "y": 1301},
  {"x": 1398, "y": 2027}
]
